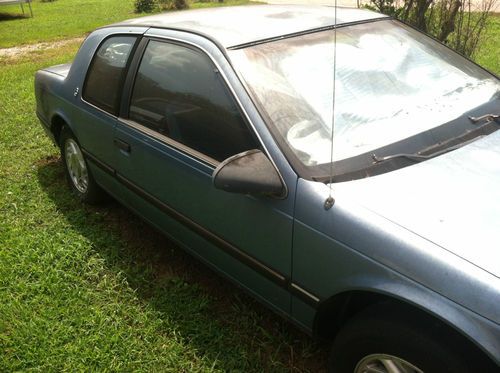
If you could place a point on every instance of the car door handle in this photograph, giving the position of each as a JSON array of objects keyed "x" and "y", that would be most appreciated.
[{"x": 122, "y": 145}]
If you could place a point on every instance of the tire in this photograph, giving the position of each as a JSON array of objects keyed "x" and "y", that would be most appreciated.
[
  {"x": 380, "y": 337},
  {"x": 78, "y": 174}
]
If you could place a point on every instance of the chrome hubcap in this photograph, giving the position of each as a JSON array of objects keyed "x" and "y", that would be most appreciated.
[
  {"x": 77, "y": 168},
  {"x": 382, "y": 363}
]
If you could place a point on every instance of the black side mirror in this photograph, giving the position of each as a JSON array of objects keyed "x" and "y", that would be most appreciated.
[{"x": 250, "y": 172}]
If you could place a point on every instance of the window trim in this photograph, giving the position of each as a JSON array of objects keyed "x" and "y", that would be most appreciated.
[
  {"x": 121, "y": 86},
  {"x": 132, "y": 74},
  {"x": 127, "y": 96},
  {"x": 170, "y": 142}
]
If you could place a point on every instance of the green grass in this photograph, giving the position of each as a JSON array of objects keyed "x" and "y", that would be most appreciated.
[
  {"x": 69, "y": 18},
  {"x": 87, "y": 288},
  {"x": 61, "y": 19},
  {"x": 489, "y": 52}
]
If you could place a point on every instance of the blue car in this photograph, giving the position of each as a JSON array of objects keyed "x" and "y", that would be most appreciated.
[{"x": 339, "y": 165}]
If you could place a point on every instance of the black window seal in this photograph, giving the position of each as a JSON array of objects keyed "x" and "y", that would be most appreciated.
[
  {"x": 129, "y": 83},
  {"x": 306, "y": 32}
]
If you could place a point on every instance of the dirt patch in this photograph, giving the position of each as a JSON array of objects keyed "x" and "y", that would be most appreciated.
[
  {"x": 48, "y": 160},
  {"x": 23, "y": 50}
]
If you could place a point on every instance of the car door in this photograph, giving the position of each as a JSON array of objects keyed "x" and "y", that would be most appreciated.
[
  {"x": 181, "y": 123},
  {"x": 101, "y": 96}
]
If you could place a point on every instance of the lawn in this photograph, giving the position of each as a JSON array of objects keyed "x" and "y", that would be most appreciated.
[
  {"x": 489, "y": 52},
  {"x": 94, "y": 288},
  {"x": 69, "y": 18},
  {"x": 87, "y": 288},
  {"x": 60, "y": 19}
]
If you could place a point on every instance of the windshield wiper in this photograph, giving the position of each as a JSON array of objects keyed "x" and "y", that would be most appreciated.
[
  {"x": 413, "y": 157},
  {"x": 420, "y": 157},
  {"x": 487, "y": 117}
]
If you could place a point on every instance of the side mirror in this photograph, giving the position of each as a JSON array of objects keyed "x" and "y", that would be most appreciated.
[{"x": 250, "y": 172}]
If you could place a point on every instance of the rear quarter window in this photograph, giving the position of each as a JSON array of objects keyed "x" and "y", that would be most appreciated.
[{"x": 107, "y": 71}]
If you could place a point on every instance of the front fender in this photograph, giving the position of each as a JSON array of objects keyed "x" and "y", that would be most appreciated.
[{"x": 335, "y": 252}]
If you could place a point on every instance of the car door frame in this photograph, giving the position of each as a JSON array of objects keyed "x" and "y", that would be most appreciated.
[
  {"x": 231, "y": 80},
  {"x": 234, "y": 83},
  {"x": 76, "y": 84}
]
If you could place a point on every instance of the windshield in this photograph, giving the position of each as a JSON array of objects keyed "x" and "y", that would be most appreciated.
[{"x": 392, "y": 83}]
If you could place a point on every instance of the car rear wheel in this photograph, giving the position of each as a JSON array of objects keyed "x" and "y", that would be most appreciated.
[
  {"x": 77, "y": 172},
  {"x": 385, "y": 363},
  {"x": 382, "y": 341}
]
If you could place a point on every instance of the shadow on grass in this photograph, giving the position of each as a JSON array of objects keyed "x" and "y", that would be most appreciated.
[
  {"x": 212, "y": 315},
  {"x": 11, "y": 17}
]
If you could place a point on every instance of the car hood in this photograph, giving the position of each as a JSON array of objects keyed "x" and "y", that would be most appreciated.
[{"x": 452, "y": 200}]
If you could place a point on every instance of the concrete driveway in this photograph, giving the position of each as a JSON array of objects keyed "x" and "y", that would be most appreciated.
[{"x": 356, "y": 3}]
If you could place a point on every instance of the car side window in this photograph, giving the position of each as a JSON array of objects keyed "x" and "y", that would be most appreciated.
[
  {"x": 179, "y": 94},
  {"x": 107, "y": 72}
]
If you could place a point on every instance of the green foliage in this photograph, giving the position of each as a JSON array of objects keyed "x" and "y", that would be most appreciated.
[
  {"x": 181, "y": 4},
  {"x": 459, "y": 24},
  {"x": 144, "y": 6},
  {"x": 149, "y": 6},
  {"x": 173, "y": 4},
  {"x": 487, "y": 54},
  {"x": 389, "y": 7}
]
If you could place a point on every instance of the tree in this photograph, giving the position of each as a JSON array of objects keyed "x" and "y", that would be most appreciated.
[{"x": 457, "y": 23}]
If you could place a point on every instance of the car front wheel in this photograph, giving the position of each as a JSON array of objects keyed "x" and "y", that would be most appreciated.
[
  {"x": 77, "y": 172},
  {"x": 380, "y": 340}
]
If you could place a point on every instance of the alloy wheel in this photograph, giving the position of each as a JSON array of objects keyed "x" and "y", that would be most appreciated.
[
  {"x": 76, "y": 166},
  {"x": 382, "y": 363}
]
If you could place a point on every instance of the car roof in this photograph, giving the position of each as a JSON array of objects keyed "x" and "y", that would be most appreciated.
[{"x": 239, "y": 25}]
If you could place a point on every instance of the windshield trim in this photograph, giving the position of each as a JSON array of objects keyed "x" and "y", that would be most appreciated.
[
  {"x": 307, "y": 32},
  {"x": 314, "y": 173}
]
